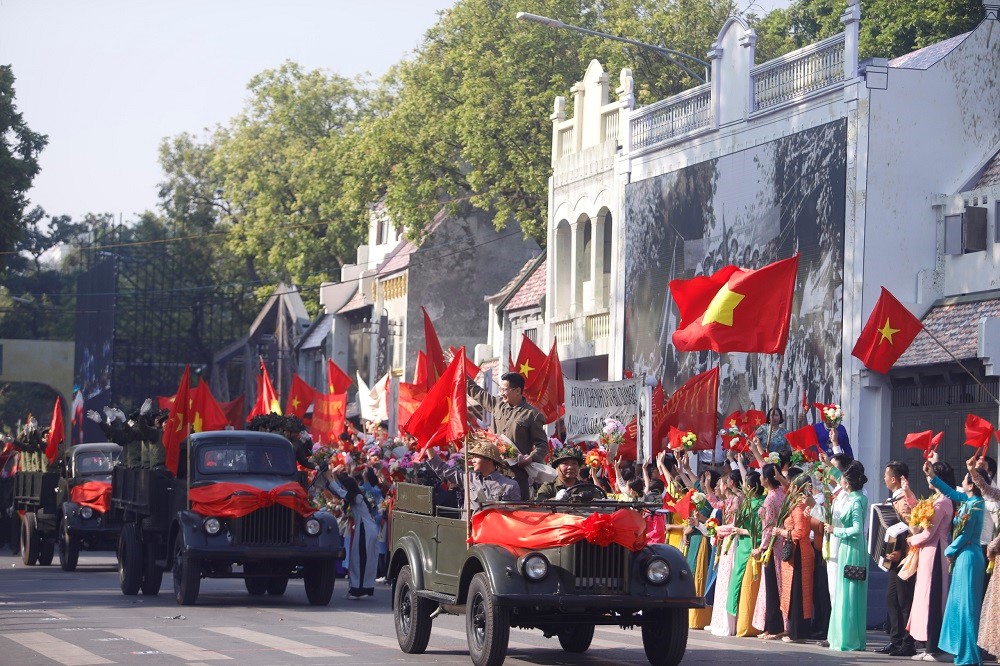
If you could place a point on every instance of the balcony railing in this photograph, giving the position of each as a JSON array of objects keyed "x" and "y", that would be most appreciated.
[
  {"x": 799, "y": 73},
  {"x": 672, "y": 117},
  {"x": 563, "y": 331},
  {"x": 598, "y": 326},
  {"x": 609, "y": 124}
]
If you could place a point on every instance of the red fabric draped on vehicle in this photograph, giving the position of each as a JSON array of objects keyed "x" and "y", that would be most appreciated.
[
  {"x": 95, "y": 494},
  {"x": 533, "y": 530},
  {"x": 235, "y": 500}
]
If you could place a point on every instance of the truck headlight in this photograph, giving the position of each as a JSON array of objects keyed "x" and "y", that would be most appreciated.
[
  {"x": 313, "y": 527},
  {"x": 86, "y": 513},
  {"x": 534, "y": 566},
  {"x": 212, "y": 525},
  {"x": 657, "y": 571}
]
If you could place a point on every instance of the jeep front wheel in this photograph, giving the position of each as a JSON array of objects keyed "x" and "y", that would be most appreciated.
[
  {"x": 319, "y": 578},
  {"x": 187, "y": 574},
  {"x": 412, "y": 614},
  {"x": 664, "y": 636},
  {"x": 69, "y": 547},
  {"x": 487, "y": 624},
  {"x": 576, "y": 638}
]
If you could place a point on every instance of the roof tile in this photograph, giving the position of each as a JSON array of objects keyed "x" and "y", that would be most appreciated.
[
  {"x": 956, "y": 324},
  {"x": 531, "y": 292}
]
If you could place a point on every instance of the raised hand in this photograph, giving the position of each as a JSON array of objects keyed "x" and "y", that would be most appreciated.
[
  {"x": 94, "y": 416},
  {"x": 929, "y": 470},
  {"x": 146, "y": 406}
]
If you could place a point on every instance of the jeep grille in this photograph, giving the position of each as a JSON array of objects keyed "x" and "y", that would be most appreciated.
[
  {"x": 272, "y": 526},
  {"x": 598, "y": 570}
]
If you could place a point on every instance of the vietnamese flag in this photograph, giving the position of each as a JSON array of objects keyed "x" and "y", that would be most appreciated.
[
  {"x": 803, "y": 439},
  {"x": 206, "y": 413},
  {"x": 338, "y": 381},
  {"x": 234, "y": 412},
  {"x": 179, "y": 422},
  {"x": 681, "y": 506},
  {"x": 267, "y": 398},
  {"x": 888, "y": 332},
  {"x": 530, "y": 360},
  {"x": 410, "y": 397},
  {"x": 736, "y": 310},
  {"x": 978, "y": 431},
  {"x": 694, "y": 407},
  {"x": 548, "y": 394},
  {"x": 471, "y": 369},
  {"x": 443, "y": 416},
  {"x": 329, "y": 416},
  {"x": 420, "y": 373},
  {"x": 57, "y": 431},
  {"x": 300, "y": 396},
  {"x": 435, "y": 355}
]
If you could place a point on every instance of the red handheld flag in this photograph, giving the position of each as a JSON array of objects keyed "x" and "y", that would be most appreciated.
[
  {"x": 300, "y": 396},
  {"x": 888, "y": 332},
  {"x": 530, "y": 360},
  {"x": 978, "y": 431},
  {"x": 549, "y": 393},
  {"x": 803, "y": 439},
  {"x": 471, "y": 369},
  {"x": 57, "y": 431},
  {"x": 925, "y": 441},
  {"x": 410, "y": 397},
  {"x": 435, "y": 354},
  {"x": 206, "y": 414},
  {"x": 337, "y": 381},
  {"x": 421, "y": 376},
  {"x": 234, "y": 412},
  {"x": 178, "y": 423},
  {"x": 442, "y": 417},
  {"x": 267, "y": 398},
  {"x": 736, "y": 310}
]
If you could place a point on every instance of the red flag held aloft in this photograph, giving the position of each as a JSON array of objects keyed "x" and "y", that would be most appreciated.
[
  {"x": 234, "y": 412},
  {"x": 443, "y": 416},
  {"x": 548, "y": 394},
  {"x": 421, "y": 374},
  {"x": 206, "y": 413},
  {"x": 694, "y": 407},
  {"x": 435, "y": 354},
  {"x": 57, "y": 431},
  {"x": 805, "y": 440},
  {"x": 978, "y": 431},
  {"x": 300, "y": 396},
  {"x": 925, "y": 441},
  {"x": 329, "y": 415},
  {"x": 471, "y": 369},
  {"x": 735, "y": 309},
  {"x": 888, "y": 332},
  {"x": 410, "y": 397},
  {"x": 530, "y": 360},
  {"x": 179, "y": 422},
  {"x": 267, "y": 398},
  {"x": 337, "y": 380}
]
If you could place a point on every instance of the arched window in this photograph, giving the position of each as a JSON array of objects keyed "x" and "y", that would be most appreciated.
[{"x": 561, "y": 271}]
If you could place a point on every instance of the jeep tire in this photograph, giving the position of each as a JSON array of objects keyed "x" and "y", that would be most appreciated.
[
  {"x": 576, "y": 638},
  {"x": 129, "y": 560},
  {"x": 152, "y": 574},
  {"x": 69, "y": 547},
  {"x": 187, "y": 574},
  {"x": 487, "y": 624},
  {"x": 46, "y": 551},
  {"x": 664, "y": 636},
  {"x": 319, "y": 578},
  {"x": 411, "y": 614},
  {"x": 255, "y": 583}
]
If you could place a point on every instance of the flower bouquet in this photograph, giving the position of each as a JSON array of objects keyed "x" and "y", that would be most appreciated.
[
  {"x": 773, "y": 457},
  {"x": 712, "y": 527},
  {"x": 796, "y": 492},
  {"x": 596, "y": 458},
  {"x": 832, "y": 415},
  {"x": 798, "y": 457},
  {"x": 922, "y": 515}
]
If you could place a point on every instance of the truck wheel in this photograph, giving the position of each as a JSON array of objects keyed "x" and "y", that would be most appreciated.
[
  {"x": 664, "y": 636},
  {"x": 412, "y": 614},
  {"x": 187, "y": 575},
  {"x": 319, "y": 578},
  {"x": 576, "y": 638},
  {"x": 30, "y": 544},
  {"x": 276, "y": 586},
  {"x": 255, "y": 586},
  {"x": 129, "y": 560},
  {"x": 487, "y": 624},
  {"x": 69, "y": 548},
  {"x": 46, "y": 551},
  {"x": 152, "y": 575}
]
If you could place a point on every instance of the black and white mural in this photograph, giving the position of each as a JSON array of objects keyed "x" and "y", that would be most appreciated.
[{"x": 749, "y": 209}]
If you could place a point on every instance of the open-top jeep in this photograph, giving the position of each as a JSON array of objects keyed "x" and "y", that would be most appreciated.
[
  {"x": 237, "y": 501},
  {"x": 68, "y": 507},
  {"x": 565, "y": 590}
]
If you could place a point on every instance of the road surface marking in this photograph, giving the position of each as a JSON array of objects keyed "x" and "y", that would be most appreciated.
[
  {"x": 275, "y": 642},
  {"x": 166, "y": 645},
  {"x": 56, "y": 649},
  {"x": 360, "y": 636}
]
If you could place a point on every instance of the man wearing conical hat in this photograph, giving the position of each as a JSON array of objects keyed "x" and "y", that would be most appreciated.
[
  {"x": 486, "y": 483},
  {"x": 566, "y": 460}
]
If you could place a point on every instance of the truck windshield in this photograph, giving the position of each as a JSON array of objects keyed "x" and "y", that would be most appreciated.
[
  {"x": 95, "y": 462},
  {"x": 242, "y": 459}
]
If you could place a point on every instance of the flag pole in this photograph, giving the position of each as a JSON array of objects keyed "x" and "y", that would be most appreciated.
[
  {"x": 961, "y": 365},
  {"x": 468, "y": 492}
]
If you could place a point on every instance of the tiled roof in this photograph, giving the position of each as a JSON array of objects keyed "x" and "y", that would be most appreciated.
[
  {"x": 516, "y": 281},
  {"x": 927, "y": 56},
  {"x": 955, "y": 322},
  {"x": 356, "y": 303},
  {"x": 317, "y": 332},
  {"x": 398, "y": 258},
  {"x": 531, "y": 292},
  {"x": 990, "y": 175}
]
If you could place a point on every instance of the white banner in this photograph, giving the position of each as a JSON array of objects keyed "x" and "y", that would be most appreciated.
[{"x": 589, "y": 403}]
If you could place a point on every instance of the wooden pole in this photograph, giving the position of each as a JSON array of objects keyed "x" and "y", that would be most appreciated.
[{"x": 468, "y": 493}]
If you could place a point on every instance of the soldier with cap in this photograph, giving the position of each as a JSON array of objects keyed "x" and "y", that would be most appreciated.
[
  {"x": 486, "y": 483},
  {"x": 567, "y": 461}
]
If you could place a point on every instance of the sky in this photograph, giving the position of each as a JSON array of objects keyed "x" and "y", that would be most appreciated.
[{"x": 108, "y": 80}]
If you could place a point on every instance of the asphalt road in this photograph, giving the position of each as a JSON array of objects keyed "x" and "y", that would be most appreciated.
[{"x": 48, "y": 616}]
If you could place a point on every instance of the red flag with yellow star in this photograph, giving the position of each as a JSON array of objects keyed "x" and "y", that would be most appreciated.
[
  {"x": 530, "y": 360},
  {"x": 888, "y": 332},
  {"x": 179, "y": 422},
  {"x": 337, "y": 380},
  {"x": 442, "y": 417},
  {"x": 206, "y": 413},
  {"x": 329, "y": 418},
  {"x": 300, "y": 396},
  {"x": 267, "y": 398},
  {"x": 736, "y": 310},
  {"x": 435, "y": 354}
]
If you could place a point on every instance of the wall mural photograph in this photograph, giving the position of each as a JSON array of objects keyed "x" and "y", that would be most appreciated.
[{"x": 749, "y": 208}]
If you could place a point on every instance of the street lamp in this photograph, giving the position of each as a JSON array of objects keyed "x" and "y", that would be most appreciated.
[{"x": 662, "y": 50}]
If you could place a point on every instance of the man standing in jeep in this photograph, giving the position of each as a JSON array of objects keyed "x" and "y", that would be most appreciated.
[
  {"x": 517, "y": 420},
  {"x": 486, "y": 483}
]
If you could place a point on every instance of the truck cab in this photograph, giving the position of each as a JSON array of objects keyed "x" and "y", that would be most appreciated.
[{"x": 83, "y": 497}]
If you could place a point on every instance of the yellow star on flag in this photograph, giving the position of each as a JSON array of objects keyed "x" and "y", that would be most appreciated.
[
  {"x": 887, "y": 332},
  {"x": 198, "y": 422},
  {"x": 180, "y": 421},
  {"x": 720, "y": 310},
  {"x": 295, "y": 403},
  {"x": 447, "y": 415},
  {"x": 526, "y": 369},
  {"x": 275, "y": 406}
]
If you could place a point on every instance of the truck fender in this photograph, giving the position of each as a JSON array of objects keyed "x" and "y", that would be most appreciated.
[
  {"x": 681, "y": 579},
  {"x": 187, "y": 523},
  {"x": 408, "y": 552},
  {"x": 493, "y": 560}
]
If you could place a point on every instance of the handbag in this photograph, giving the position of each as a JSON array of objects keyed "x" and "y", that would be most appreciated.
[
  {"x": 855, "y": 573},
  {"x": 786, "y": 550}
]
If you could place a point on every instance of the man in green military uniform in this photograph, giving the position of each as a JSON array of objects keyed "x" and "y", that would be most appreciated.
[{"x": 566, "y": 461}]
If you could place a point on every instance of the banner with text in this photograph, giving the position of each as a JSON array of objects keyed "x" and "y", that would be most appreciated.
[{"x": 589, "y": 403}]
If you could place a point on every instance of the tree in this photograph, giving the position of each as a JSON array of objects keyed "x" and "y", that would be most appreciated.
[{"x": 19, "y": 150}]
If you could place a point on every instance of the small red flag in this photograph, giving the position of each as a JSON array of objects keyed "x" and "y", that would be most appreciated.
[
  {"x": 57, "y": 431},
  {"x": 888, "y": 332},
  {"x": 724, "y": 311},
  {"x": 925, "y": 441},
  {"x": 206, "y": 413},
  {"x": 267, "y": 398},
  {"x": 978, "y": 431},
  {"x": 682, "y": 506},
  {"x": 803, "y": 439},
  {"x": 435, "y": 355},
  {"x": 443, "y": 416},
  {"x": 530, "y": 360},
  {"x": 337, "y": 381},
  {"x": 548, "y": 393},
  {"x": 300, "y": 396},
  {"x": 179, "y": 422},
  {"x": 329, "y": 414},
  {"x": 165, "y": 401},
  {"x": 234, "y": 412}
]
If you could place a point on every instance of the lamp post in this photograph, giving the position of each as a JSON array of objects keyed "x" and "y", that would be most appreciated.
[{"x": 662, "y": 50}]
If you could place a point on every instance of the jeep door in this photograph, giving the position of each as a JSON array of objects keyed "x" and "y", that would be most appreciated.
[{"x": 449, "y": 556}]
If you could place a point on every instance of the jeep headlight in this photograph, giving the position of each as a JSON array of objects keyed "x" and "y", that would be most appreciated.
[
  {"x": 212, "y": 525},
  {"x": 312, "y": 527},
  {"x": 657, "y": 571},
  {"x": 86, "y": 513},
  {"x": 535, "y": 566}
]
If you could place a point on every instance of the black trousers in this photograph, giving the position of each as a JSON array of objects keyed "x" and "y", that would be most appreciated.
[
  {"x": 774, "y": 622},
  {"x": 898, "y": 599}
]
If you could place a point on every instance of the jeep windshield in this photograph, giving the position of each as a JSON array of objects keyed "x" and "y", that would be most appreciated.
[
  {"x": 240, "y": 458},
  {"x": 95, "y": 462}
]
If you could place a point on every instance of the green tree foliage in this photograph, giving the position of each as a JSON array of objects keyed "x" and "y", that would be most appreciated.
[{"x": 19, "y": 150}]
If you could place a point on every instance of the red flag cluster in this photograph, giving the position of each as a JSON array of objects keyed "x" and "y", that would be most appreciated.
[
  {"x": 739, "y": 428},
  {"x": 926, "y": 441},
  {"x": 442, "y": 417},
  {"x": 978, "y": 431}
]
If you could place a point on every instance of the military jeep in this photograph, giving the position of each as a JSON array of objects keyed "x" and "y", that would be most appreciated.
[{"x": 565, "y": 592}]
